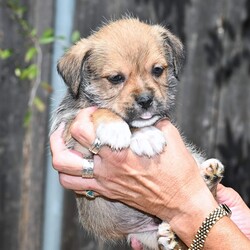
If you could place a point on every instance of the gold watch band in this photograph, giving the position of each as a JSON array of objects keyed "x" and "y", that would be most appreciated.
[{"x": 199, "y": 240}]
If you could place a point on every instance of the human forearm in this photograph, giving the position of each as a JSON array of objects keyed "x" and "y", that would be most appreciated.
[
  {"x": 226, "y": 235},
  {"x": 223, "y": 235},
  {"x": 191, "y": 212}
]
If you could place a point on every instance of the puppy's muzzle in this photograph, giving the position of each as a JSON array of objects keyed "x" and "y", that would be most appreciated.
[
  {"x": 144, "y": 100},
  {"x": 144, "y": 111}
]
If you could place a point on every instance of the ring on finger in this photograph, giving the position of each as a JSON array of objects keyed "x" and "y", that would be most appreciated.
[
  {"x": 96, "y": 146},
  {"x": 90, "y": 194},
  {"x": 88, "y": 168}
]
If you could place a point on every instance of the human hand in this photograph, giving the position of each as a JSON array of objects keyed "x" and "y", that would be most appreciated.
[
  {"x": 240, "y": 212},
  {"x": 167, "y": 185},
  {"x": 156, "y": 185}
]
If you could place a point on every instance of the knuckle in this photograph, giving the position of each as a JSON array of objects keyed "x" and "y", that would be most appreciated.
[
  {"x": 120, "y": 156},
  {"x": 76, "y": 129},
  {"x": 112, "y": 158},
  {"x": 57, "y": 163},
  {"x": 52, "y": 140}
]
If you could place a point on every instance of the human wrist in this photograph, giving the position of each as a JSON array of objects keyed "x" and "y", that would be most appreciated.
[
  {"x": 206, "y": 226},
  {"x": 187, "y": 218}
]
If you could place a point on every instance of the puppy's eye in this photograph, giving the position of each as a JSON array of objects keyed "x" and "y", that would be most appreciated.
[
  {"x": 116, "y": 79},
  {"x": 157, "y": 71}
]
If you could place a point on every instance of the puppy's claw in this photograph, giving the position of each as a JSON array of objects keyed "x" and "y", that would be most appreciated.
[
  {"x": 166, "y": 237},
  {"x": 212, "y": 171},
  {"x": 115, "y": 134},
  {"x": 148, "y": 141}
]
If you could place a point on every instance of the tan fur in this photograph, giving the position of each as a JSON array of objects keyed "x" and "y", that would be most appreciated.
[
  {"x": 103, "y": 116},
  {"x": 121, "y": 47},
  {"x": 132, "y": 49}
]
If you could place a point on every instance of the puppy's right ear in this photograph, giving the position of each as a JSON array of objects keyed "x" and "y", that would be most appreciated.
[
  {"x": 174, "y": 48},
  {"x": 71, "y": 65}
]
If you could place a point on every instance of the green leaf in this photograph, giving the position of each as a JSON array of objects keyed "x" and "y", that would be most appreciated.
[
  {"x": 47, "y": 36},
  {"x": 28, "y": 73},
  {"x": 46, "y": 40},
  {"x": 30, "y": 54},
  {"x": 5, "y": 54},
  {"x": 39, "y": 104},
  {"x": 75, "y": 36},
  {"x": 48, "y": 33},
  {"x": 18, "y": 72},
  {"x": 32, "y": 71},
  {"x": 33, "y": 32},
  {"x": 27, "y": 119}
]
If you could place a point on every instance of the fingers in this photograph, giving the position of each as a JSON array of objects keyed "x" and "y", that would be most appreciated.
[
  {"x": 64, "y": 159},
  {"x": 227, "y": 195},
  {"x": 56, "y": 140},
  {"x": 69, "y": 163},
  {"x": 76, "y": 182},
  {"x": 67, "y": 160},
  {"x": 82, "y": 128}
]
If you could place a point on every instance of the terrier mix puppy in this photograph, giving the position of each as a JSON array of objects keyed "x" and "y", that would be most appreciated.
[{"x": 129, "y": 69}]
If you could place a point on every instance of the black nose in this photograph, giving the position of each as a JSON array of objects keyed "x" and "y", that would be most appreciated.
[{"x": 145, "y": 100}]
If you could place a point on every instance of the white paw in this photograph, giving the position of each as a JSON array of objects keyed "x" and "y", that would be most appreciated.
[
  {"x": 166, "y": 237},
  {"x": 116, "y": 134},
  {"x": 212, "y": 171},
  {"x": 148, "y": 141}
]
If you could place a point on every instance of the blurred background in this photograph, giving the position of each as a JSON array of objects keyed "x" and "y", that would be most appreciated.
[{"x": 212, "y": 106}]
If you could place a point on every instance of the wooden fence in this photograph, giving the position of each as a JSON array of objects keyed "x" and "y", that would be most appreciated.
[{"x": 212, "y": 106}]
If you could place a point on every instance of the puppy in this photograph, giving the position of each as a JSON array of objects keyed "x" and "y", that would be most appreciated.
[{"x": 129, "y": 69}]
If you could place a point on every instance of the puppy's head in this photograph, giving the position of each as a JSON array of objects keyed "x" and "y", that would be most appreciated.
[{"x": 127, "y": 66}]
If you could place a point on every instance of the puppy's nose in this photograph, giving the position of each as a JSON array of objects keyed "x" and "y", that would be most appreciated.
[{"x": 144, "y": 100}]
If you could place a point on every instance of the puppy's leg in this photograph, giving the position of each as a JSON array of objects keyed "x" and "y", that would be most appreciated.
[
  {"x": 147, "y": 141},
  {"x": 111, "y": 129},
  {"x": 166, "y": 237},
  {"x": 212, "y": 171}
]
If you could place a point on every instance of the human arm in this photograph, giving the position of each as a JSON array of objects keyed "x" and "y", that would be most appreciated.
[{"x": 168, "y": 186}]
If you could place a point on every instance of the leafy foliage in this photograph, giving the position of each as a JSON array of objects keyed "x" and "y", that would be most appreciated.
[
  {"x": 75, "y": 36},
  {"x": 5, "y": 53},
  {"x": 31, "y": 71}
]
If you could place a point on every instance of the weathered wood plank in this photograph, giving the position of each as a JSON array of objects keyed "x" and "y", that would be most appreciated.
[
  {"x": 13, "y": 100},
  {"x": 22, "y": 150},
  {"x": 212, "y": 104}
]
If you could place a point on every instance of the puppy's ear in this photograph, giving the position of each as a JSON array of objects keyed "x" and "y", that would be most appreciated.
[
  {"x": 71, "y": 65},
  {"x": 174, "y": 49}
]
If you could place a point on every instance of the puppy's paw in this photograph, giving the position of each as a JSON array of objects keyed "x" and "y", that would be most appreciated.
[
  {"x": 212, "y": 171},
  {"x": 147, "y": 141},
  {"x": 115, "y": 134},
  {"x": 166, "y": 237}
]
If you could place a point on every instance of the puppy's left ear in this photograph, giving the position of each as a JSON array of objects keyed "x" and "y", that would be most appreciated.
[
  {"x": 173, "y": 48},
  {"x": 71, "y": 65}
]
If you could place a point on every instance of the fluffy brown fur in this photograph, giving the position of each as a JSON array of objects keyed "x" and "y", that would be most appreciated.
[{"x": 129, "y": 70}]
